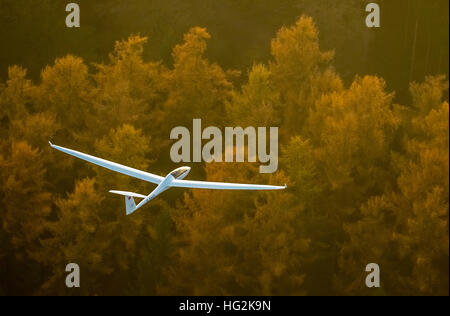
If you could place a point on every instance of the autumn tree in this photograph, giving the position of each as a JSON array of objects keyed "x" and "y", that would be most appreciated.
[
  {"x": 25, "y": 201},
  {"x": 258, "y": 104},
  {"x": 301, "y": 71},
  {"x": 276, "y": 243},
  {"x": 111, "y": 243},
  {"x": 16, "y": 95},
  {"x": 78, "y": 213},
  {"x": 207, "y": 223},
  {"x": 64, "y": 91},
  {"x": 342, "y": 154},
  {"x": 300, "y": 163},
  {"x": 405, "y": 230},
  {"x": 128, "y": 146},
  {"x": 25, "y": 207},
  {"x": 196, "y": 87},
  {"x": 354, "y": 130},
  {"x": 236, "y": 242},
  {"x": 127, "y": 88}
]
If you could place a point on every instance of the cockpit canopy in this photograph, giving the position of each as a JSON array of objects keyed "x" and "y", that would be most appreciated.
[{"x": 180, "y": 173}]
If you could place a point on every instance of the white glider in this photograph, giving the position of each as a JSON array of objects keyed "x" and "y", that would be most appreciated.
[{"x": 173, "y": 179}]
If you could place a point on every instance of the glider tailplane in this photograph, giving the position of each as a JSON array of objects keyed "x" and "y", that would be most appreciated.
[{"x": 130, "y": 204}]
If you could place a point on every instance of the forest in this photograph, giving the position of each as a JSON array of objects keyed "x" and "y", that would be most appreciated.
[{"x": 367, "y": 166}]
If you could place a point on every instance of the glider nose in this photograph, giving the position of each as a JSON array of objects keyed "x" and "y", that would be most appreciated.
[
  {"x": 187, "y": 170},
  {"x": 184, "y": 172}
]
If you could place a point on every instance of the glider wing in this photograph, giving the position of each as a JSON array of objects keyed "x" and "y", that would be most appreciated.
[
  {"x": 146, "y": 176},
  {"x": 222, "y": 185}
]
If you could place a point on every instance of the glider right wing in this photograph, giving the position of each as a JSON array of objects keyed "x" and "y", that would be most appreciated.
[{"x": 222, "y": 185}]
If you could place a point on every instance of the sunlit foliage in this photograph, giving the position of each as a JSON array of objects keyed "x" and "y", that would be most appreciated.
[{"x": 367, "y": 178}]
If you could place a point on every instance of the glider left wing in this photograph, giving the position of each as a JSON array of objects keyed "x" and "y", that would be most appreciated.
[{"x": 146, "y": 176}]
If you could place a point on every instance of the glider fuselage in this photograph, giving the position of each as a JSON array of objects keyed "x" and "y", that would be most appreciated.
[{"x": 179, "y": 174}]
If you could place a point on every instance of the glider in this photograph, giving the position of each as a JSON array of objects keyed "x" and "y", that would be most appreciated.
[{"x": 173, "y": 179}]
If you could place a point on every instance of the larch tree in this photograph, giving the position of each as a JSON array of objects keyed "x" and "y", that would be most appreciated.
[
  {"x": 355, "y": 129},
  {"x": 405, "y": 230},
  {"x": 76, "y": 213},
  {"x": 25, "y": 207},
  {"x": 236, "y": 242},
  {"x": 196, "y": 87},
  {"x": 301, "y": 71},
  {"x": 258, "y": 104},
  {"x": 127, "y": 88},
  {"x": 16, "y": 95},
  {"x": 64, "y": 90}
]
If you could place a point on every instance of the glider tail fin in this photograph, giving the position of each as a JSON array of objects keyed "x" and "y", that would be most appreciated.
[{"x": 130, "y": 205}]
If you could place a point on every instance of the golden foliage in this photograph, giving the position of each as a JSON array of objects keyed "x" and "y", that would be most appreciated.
[{"x": 367, "y": 179}]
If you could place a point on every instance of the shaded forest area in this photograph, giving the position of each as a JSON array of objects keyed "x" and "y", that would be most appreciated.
[
  {"x": 412, "y": 42},
  {"x": 368, "y": 176}
]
